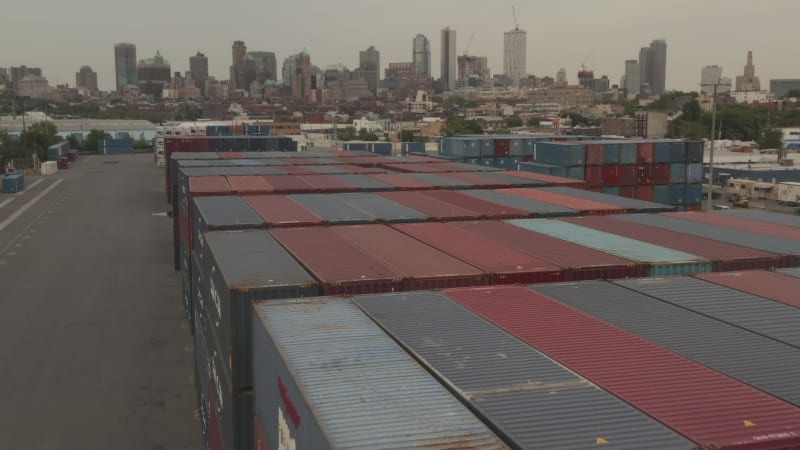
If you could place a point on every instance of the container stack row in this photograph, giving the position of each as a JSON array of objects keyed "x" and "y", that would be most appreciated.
[
  {"x": 501, "y": 151},
  {"x": 237, "y": 130},
  {"x": 380, "y": 148},
  {"x": 56, "y": 151},
  {"x": 114, "y": 146}
]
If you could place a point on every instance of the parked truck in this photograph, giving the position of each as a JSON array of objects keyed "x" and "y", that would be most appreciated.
[{"x": 789, "y": 193}]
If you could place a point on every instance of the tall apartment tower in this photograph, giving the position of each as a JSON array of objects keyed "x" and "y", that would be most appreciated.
[
  {"x": 369, "y": 63},
  {"x": 449, "y": 66},
  {"x": 125, "y": 65},
  {"x": 421, "y": 56},
  {"x": 514, "y": 54},
  {"x": 238, "y": 50},
  {"x": 653, "y": 66},
  {"x": 198, "y": 66},
  {"x": 632, "y": 83}
]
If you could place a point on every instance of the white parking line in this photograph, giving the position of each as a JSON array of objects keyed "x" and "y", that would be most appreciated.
[
  {"x": 5, "y": 202},
  {"x": 32, "y": 185},
  {"x": 30, "y": 203}
]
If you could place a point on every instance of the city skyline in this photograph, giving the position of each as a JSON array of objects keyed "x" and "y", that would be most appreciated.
[{"x": 591, "y": 32}]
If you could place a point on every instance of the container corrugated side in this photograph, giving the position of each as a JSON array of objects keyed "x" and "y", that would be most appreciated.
[
  {"x": 349, "y": 385},
  {"x": 422, "y": 266},
  {"x": 240, "y": 266},
  {"x": 750, "y": 358},
  {"x": 691, "y": 399},
  {"x": 738, "y": 223},
  {"x": 770, "y": 285},
  {"x": 747, "y": 311},
  {"x": 623, "y": 202},
  {"x": 535, "y": 207},
  {"x": 506, "y": 265},
  {"x": 763, "y": 216},
  {"x": 578, "y": 262},
  {"x": 281, "y": 211},
  {"x": 724, "y": 256},
  {"x": 531, "y": 401},
  {"x": 585, "y": 206},
  {"x": 341, "y": 267},
  {"x": 658, "y": 261}
]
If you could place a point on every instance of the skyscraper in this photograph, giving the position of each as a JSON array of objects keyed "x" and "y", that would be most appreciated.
[
  {"x": 514, "y": 54},
  {"x": 448, "y": 74},
  {"x": 653, "y": 66},
  {"x": 561, "y": 78},
  {"x": 198, "y": 66},
  {"x": 632, "y": 82},
  {"x": 421, "y": 56},
  {"x": 288, "y": 69},
  {"x": 153, "y": 74},
  {"x": 125, "y": 65},
  {"x": 709, "y": 76},
  {"x": 749, "y": 81},
  {"x": 238, "y": 50},
  {"x": 86, "y": 79},
  {"x": 369, "y": 65}
]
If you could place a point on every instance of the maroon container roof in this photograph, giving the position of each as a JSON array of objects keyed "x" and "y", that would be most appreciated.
[
  {"x": 420, "y": 158},
  {"x": 431, "y": 207},
  {"x": 585, "y": 206},
  {"x": 250, "y": 184},
  {"x": 731, "y": 257},
  {"x": 551, "y": 180},
  {"x": 281, "y": 211},
  {"x": 211, "y": 185},
  {"x": 476, "y": 180},
  {"x": 425, "y": 167},
  {"x": 771, "y": 285},
  {"x": 401, "y": 181},
  {"x": 300, "y": 161},
  {"x": 287, "y": 184},
  {"x": 327, "y": 183},
  {"x": 230, "y": 155},
  {"x": 423, "y": 266},
  {"x": 358, "y": 169},
  {"x": 341, "y": 267},
  {"x": 369, "y": 161},
  {"x": 509, "y": 266},
  {"x": 739, "y": 223},
  {"x": 581, "y": 263},
  {"x": 482, "y": 208},
  {"x": 296, "y": 170},
  {"x": 703, "y": 405}
]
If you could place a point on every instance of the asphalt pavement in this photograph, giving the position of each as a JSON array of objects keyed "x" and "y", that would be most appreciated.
[{"x": 95, "y": 349}]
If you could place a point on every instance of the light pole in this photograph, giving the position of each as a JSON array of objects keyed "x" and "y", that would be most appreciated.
[{"x": 709, "y": 204}]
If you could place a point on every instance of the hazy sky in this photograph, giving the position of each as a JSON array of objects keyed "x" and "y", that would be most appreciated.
[{"x": 60, "y": 36}]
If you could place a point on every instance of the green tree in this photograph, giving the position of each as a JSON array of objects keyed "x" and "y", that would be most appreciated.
[
  {"x": 771, "y": 138},
  {"x": 348, "y": 134},
  {"x": 457, "y": 126},
  {"x": 513, "y": 122},
  {"x": 90, "y": 143},
  {"x": 410, "y": 136},
  {"x": 41, "y": 135},
  {"x": 74, "y": 142},
  {"x": 364, "y": 135},
  {"x": 691, "y": 110},
  {"x": 533, "y": 121},
  {"x": 9, "y": 149},
  {"x": 794, "y": 93}
]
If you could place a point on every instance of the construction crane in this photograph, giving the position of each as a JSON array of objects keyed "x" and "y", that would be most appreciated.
[
  {"x": 516, "y": 22},
  {"x": 466, "y": 50}
]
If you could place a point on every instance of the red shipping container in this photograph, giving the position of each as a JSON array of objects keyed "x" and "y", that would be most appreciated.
[
  {"x": 340, "y": 267},
  {"x": 401, "y": 182},
  {"x": 360, "y": 170},
  {"x": 214, "y": 439},
  {"x": 588, "y": 207},
  {"x": 236, "y": 128},
  {"x": 627, "y": 175},
  {"x": 281, "y": 211},
  {"x": 724, "y": 256},
  {"x": 481, "y": 208},
  {"x": 644, "y": 152},
  {"x": 595, "y": 189},
  {"x": 739, "y": 223},
  {"x": 434, "y": 208},
  {"x": 594, "y": 176},
  {"x": 578, "y": 262},
  {"x": 249, "y": 184},
  {"x": 628, "y": 191},
  {"x": 287, "y": 184},
  {"x": 770, "y": 285},
  {"x": 705, "y": 406},
  {"x": 594, "y": 155},
  {"x": 611, "y": 175},
  {"x": 661, "y": 173},
  {"x": 502, "y": 147},
  {"x": 644, "y": 193},
  {"x": 327, "y": 184},
  {"x": 230, "y": 155},
  {"x": 422, "y": 266},
  {"x": 506, "y": 265},
  {"x": 295, "y": 170},
  {"x": 476, "y": 180},
  {"x": 549, "y": 180},
  {"x": 527, "y": 158},
  {"x": 694, "y": 208},
  {"x": 644, "y": 174},
  {"x": 259, "y": 438}
]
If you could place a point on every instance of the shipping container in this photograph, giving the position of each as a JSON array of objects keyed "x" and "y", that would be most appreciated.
[
  {"x": 677, "y": 152},
  {"x": 589, "y": 207},
  {"x": 694, "y": 173},
  {"x": 693, "y": 400},
  {"x": 644, "y": 174},
  {"x": 748, "y": 357},
  {"x": 504, "y": 264},
  {"x": 221, "y": 213},
  {"x": 532, "y": 401},
  {"x": 661, "y": 152},
  {"x": 549, "y": 180},
  {"x": 478, "y": 180},
  {"x": 281, "y": 211},
  {"x": 611, "y": 176},
  {"x": 677, "y": 173},
  {"x": 747, "y": 311},
  {"x": 694, "y": 195},
  {"x": 545, "y": 169},
  {"x": 790, "y": 272},
  {"x": 13, "y": 183},
  {"x": 677, "y": 194},
  {"x": 657, "y": 260},
  {"x": 535, "y": 208},
  {"x": 431, "y": 207},
  {"x": 250, "y": 184},
  {"x": 331, "y": 209},
  {"x": 723, "y": 256},
  {"x": 644, "y": 152},
  {"x": 400, "y": 181},
  {"x": 763, "y": 216},
  {"x": 628, "y": 175},
  {"x": 379, "y": 208},
  {"x": 576, "y": 172},
  {"x": 437, "y": 181},
  {"x": 611, "y": 190},
  {"x": 628, "y": 154},
  {"x": 790, "y": 249},
  {"x": 340, "y": 267},
  {"x": 611, "y": 154},
  {"x": 594, "y": 176},
  {"x": 508, "y": 179},
  {"x": 594, "y": 154},
  {"x": 661, "y": 173},
  {"x": 240, "y": 266},
  {"x": 694, "y": 151},
  {"x": 481, "y": 208},
  {"x": 560, "y": 154},
  {"x": 739, "y": 223},
  {"x": 661, "y": 194},
  {"x": 349, "y": 385},
  {"x": 621, "y": 202},
  {"x": 502, "y": 147},
  {"x": 644, "y": 193}
]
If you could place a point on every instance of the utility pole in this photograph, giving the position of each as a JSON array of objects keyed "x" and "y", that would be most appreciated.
[{"x": 709, "y": 199}]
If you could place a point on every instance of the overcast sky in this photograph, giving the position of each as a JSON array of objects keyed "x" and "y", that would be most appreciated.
[{"x": 60, "y": 36}]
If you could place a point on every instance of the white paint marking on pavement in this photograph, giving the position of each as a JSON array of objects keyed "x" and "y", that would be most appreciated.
[
  {"x": 32, "y": 185},
  {"x": 26, "y": 206},
  {"x": 5, "y": 202},
  {"x": 162, "y": 214}
]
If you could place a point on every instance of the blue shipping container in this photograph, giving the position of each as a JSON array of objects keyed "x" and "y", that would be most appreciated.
[
  {"x": 661, "y": 193},
  {"x": 661, "y": 152},
  {"x": 13, "y": 182},
  {"x": 677, "y": 194},
  {"x": 677, "y": 173}
]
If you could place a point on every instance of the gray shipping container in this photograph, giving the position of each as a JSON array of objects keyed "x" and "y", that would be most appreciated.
[
  {"x": 381, "y": 209},
  {"x": 328, "y": 378},
  {"x": 791, "y": 272},
  {"x": 755, "y": 360},
  {"x": 539, "y": 208},
  {"x": 364, "y": 182},
  {"x": 438, "y": 180},
  {"x": 507, "y": 177},
  {"x": 771, "y": 319},
  {"x": 529, "y": 399},
  {"x": 222, "y": 213},
  {"x": 623, "y": 202},
  {"x": 332, "y": 209},
  {"x": 241, "y": 266},
  {"x": 763, "y": 216}
]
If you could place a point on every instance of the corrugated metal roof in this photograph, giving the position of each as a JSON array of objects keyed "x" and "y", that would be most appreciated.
[
  {"x": 208, "y": 185},
  {"x": 536, "y": 207},
  {"x": 563, "y": 200},
  {"x": 280, "y": 210},
  {"x": 227, "y": 210},
  {"x": 363, "y": 182},
  {"x": 549, "y": 180},
  {"x": 380, "y": 208},
  {"x": 401, "y": 181},
  {"x": 739, "y": 223},
  {"x": 510, "y": 180},
  {"x": 437, "y": 180},
  {"x": 327, "y": 183},
  {"x": 482, "y": 208},
  {"x": 769, "y": 285},
  {"x": 530, "y": 399},
  {"x": 477, "y": 180},
  {"x": 770, "y": 244},
  {"x": 623, "y": 202},
  {"x": 791, "y": 272},
  {"x": 763, "y": 216},
  {"x": 771, "y": 319},
  {"x": 328, "y": 169},
  {"x": 366, "y": 392},
  {"x": 332, "y": 209},
  {"x": 282, "y": 183},
  {"x": 753, "y": 359},
  {"x": 703, "y": 405},
  {"x": 431, "y": 207}
]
